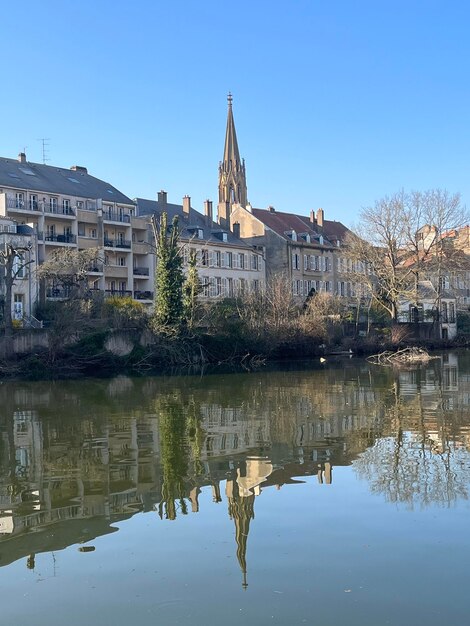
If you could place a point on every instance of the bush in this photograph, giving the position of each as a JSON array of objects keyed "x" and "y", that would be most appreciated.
[{"x": 125, "y": 312}]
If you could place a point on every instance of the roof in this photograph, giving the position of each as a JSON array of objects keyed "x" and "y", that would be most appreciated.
[
  {"x": 51, "y": 179},
  {"x": 427, "y": 292},
  {"x": 282, "y": 223},
  {"x": 187, "y": 224}
]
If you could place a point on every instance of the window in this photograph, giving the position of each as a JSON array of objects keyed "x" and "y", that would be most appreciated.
[
  {"x": 53, "y": 205},
  {"x": 19, "y": 200},
  {"x": 295, "y": 261},
  {"x": 204, "y": 257},
  {"x": 229, "y": 259},
  {"x": 230, "y": 287},
  {"x": 444, "y": 316},
  {"x": 66, "y": 206},
  {"x": 81, "y": 230},
  {"x": 122, "y": 261},
  {"x": 33, "y": 202},
  {"x": 254, "y": 262},
  {"x": 451, "y": 313},
  {"x": 218, "y": 259},
  {"x": 93, "y": 233},
  {"x": 241, "y": 261},
  {"x": 200, "y": 233},
  {"x": 305, "y": 262},
  {"x": 79, "y": 204}
]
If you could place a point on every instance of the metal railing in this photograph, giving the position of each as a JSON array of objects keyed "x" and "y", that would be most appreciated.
[
  {"x": 22, "y": 205},
  {"x": 57, "y": 292},
  {"x": 57, "y": 210},
  {"x": 117, "y": 293},
  {"x": 61, "y": 238},
  {"x": 141, "y": 271},
  {"x": 117, "y": 243},
  {"x": 116, "y": 217},
  {"x": 143, "y": 295}
]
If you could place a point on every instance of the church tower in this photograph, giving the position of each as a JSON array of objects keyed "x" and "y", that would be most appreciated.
[{"x": 232, "y": 178}]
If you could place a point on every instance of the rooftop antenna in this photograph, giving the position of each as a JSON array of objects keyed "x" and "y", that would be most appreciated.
[{"x": 45, "y": 149}]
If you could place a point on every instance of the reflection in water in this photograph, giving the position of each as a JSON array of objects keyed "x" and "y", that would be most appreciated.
[{"x": 77, "y": 457}]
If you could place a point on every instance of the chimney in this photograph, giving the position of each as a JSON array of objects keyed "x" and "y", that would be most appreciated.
[
  {"x": 162, "y": 198},
  {"x": 22, "y": 157},
  {"x": 312, "y": 217},
  {"x": 320, "y": 216},
  {"x": 236, "y": 229},
  {"x": 186, "y": 205},
  {"x": 271, "y": 209},
  {"x": 79, "y": 168},
  {"x": 208, "y": 211}
]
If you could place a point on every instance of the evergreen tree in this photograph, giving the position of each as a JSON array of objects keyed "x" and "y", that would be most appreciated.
[
  {"x": 168, "y": 275},
  {"x": 191, "y": 289}
]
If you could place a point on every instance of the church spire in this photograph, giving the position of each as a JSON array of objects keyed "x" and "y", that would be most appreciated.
[{"x": 232, "y": 176}]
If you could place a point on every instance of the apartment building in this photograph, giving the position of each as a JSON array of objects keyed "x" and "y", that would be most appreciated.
[
  {"x": 226, "y": 265},
  {"x": 70, "y": 208},
  {"x": 22, "y": 238}
]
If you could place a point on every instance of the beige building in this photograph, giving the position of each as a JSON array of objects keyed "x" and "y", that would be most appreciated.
[
  {"x": 306, "y": 250},
  {"x": 72, "y": 209},
  {"x": 226, "y": 265},
  {"x": 24, "y": 290}
]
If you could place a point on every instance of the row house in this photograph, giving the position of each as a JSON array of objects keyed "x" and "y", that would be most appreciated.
[
  {"x": 70, "y": 208},
  {"x": 304, "y": 249},
  {"x": 227, "y": 266}
]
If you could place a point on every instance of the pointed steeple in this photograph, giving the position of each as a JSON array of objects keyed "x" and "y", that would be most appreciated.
[
  {"x": 231, "y": 153},
  {"x": 232, "y": 176}
]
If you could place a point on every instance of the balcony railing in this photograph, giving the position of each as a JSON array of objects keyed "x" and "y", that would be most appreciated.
[
  {"x": 22, "y": 205},
  {"x": 57, "y": 210},
  {"x": 96, "y": 268},
  {"x": 61, "y": 238},
  {"x": 141, "y": 271},
  {"x": 57, "y": 292},
  {"x": 116, "y": 217},
  {"x": 143, "y": 295},
  {"x": 117, "y": 293},
  {"x": 117, "y": 243}
]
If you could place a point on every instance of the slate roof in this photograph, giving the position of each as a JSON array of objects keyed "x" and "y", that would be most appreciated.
[
  {"x": 212, "y": 232},
  {"x": 281, "y": 223},
  {"x": 51, "y": 179}
]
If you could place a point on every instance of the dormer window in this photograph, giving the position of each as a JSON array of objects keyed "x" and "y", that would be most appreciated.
[
  {"x": 200, "y": 233},
  {"x": 224, "y": 237},
  {"x": 321, "y": 239},
  {"x": 291, "y": 234}
]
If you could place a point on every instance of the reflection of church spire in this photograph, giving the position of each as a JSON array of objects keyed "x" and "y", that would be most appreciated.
[{"x": 241, "y": 510}]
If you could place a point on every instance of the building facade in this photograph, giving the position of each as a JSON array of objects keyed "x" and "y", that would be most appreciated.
[
  {"x": 72, "y": 209},
  {"x": 227, "y": 266}
]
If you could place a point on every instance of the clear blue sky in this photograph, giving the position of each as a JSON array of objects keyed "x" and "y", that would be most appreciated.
[{"x": 336, "y": 103}]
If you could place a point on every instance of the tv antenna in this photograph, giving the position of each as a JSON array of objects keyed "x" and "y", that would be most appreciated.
[{"x": 45, "y": 149}]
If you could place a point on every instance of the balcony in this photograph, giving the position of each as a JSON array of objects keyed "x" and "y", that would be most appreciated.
[
  {"x": 141, "y": 271},
  {"x": 57, "y": 293},
  {"x": 117, "y": 243},
  {"x": 117, "y": 293},
  {"x": 15, "y": 204},
  {"x": 111, "y": 216},
  {"x": 57, "y": 210},
  {"x": 60, "y": 238},
  {"x": 95, "y": 268},
  {"x": 143, "y": 295}
]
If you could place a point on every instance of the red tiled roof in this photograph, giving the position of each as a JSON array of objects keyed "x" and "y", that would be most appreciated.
[{"x": 281, "y": 223}]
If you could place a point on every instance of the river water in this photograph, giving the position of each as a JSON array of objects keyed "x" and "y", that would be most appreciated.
[{"x": 328, "y": 496}]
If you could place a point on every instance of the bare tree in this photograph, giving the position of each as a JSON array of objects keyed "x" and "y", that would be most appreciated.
[
  {"x": 400, "y": 240},
  {"x": 13, "y": 261},
  {"x": 69, "y": 268}
]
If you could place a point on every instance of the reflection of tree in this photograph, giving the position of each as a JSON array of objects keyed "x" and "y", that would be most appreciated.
[
  {"x": 419, "y": 461},
  {"x": 181, "y": 437},
  {"x": 241, "y": 511}
]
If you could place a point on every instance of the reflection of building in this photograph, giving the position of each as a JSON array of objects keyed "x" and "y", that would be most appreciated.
[{"x": 60, "y": 468}]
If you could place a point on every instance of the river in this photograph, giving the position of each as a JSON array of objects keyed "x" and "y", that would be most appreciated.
[{"x": 329, "y": 495}]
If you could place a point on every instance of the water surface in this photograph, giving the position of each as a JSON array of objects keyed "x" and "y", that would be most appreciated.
[{"x": 328, "y": 496}]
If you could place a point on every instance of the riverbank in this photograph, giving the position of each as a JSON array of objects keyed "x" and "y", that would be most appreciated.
[{"x": 138, "y": 352}]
